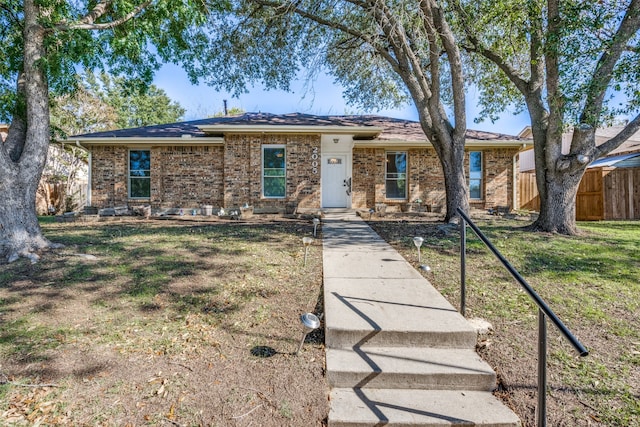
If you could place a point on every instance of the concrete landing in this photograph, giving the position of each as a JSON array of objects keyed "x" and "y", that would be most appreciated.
[{"x": 397, "y": 352}]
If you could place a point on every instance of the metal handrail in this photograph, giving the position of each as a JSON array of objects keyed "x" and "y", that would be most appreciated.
[{"x": 543, "y": 311}]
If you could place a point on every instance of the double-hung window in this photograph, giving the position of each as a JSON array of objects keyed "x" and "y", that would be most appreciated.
[
  {"x": 475, "y": 174},
  {"x": 139, "y": 174},
  {"x": 396, "y": 175},
  {"x": 274, "y": 171}
]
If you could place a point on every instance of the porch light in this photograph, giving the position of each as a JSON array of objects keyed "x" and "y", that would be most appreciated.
[
  {"x": 336, "y": 140},
  {"x": 306, "y": 241},
  {"x": 310, "y": 322},
  {"x": 316, "y": 222},
  {"x": 418, "y": 242}
]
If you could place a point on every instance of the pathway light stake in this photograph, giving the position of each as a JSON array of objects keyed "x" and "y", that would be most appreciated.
[
  {"x": 418, "y": 242},
  {"x": 310, "y": 322},
  {"x": 371, "y": 211},
  {"x": 316, "y": 222},
  {"x": 306, "y": 241}
]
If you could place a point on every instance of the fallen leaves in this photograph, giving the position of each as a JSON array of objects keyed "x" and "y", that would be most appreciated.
[{"x": 34, "y": 409}]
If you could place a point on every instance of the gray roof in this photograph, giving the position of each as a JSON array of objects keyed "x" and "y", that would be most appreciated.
[
  {"x": 630, "y": 160},
  {"x": 394, "y": 129}
]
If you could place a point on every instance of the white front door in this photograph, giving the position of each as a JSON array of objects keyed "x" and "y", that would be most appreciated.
[{"x": 334, "y": 185}]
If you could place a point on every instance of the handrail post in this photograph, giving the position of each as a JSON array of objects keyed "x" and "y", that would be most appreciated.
[
  {"x": 463, "y": 266},
  {"x": 542, "y": 369}
]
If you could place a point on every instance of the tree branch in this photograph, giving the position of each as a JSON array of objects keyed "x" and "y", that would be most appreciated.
[
  {"x": 603, "y": 73},
  {"x": 631, "y": 128},
  {"x": 17, "y": 135},
  {"x": 293, "y": 7},
  {"x": 455, "y": 65},
  {"x": 479, "y": 48},
  {"x": 88, "y": 22}
]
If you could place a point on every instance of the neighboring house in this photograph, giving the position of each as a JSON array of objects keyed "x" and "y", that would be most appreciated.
[
  {"x": 64, "y": 180},
  {"x": 610, "y": 187},
  {"x": 276, "y": 162},
  {"x": 631, "y": 145}
]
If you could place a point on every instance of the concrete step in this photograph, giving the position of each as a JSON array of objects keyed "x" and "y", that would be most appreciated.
[
  {"x": 409, "y": 368},
  {"x": 411, "y": 408},
  {"x": 399, "y": 312}
]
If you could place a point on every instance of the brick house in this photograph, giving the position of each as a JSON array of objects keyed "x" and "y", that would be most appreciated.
[{"x": 276, "y": 162}]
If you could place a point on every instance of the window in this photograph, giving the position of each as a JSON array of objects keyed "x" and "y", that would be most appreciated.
[
  {"x": 396, "y": 175},
  {"x": 139, "y": 174},
  {"x": 274, "y": 172},
  {"x": 475, "y": 174}
]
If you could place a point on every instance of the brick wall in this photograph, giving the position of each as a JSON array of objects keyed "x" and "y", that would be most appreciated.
[
  {"x": 498, "y": 174},
  {"x": 109, "y": 170},
  {"x": 230, "y": 175},
  {"x": 192, "y": 176},
  {"x": 187, "y": 176},
  {"x": 425, "y": 178},
  {"x": 243, "y": 171}
]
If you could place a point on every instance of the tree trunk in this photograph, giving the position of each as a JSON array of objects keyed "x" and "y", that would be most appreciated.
[
  {"x": 558, "y": 208},
  {"x": 20, "y": 233},
  {"x": 455, "y": 186},
  {"x": 21, "y": 168}
]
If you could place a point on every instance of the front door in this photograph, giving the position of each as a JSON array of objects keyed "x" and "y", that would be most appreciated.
[{"x": 334, "y": 181}]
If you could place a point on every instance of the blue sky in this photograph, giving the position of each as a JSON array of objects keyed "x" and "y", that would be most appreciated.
[{"x": 323, "y": 98}]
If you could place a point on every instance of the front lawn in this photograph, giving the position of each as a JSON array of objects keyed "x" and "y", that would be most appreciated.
[
  {"x": 592, "y": 282},
  {"x": 157, "y": 322}
]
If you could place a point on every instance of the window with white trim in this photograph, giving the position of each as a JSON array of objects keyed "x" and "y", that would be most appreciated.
[
  {"x": 396, "y": 175},
  {"x": 475, "y": 174},
  {"x": 139, "y": 174},
  {"x": 274, "y": 171}
]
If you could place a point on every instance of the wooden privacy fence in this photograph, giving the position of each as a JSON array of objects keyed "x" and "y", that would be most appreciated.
[
  {"x": 529, "y": 197},
  {"x": 604, "y": 193}
]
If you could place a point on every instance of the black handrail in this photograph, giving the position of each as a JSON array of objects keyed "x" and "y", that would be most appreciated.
[
  {"x": 543, "y": 312},
  {"x": 532, "y": 293}
]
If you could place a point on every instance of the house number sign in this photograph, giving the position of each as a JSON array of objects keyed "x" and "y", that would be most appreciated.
[{"x": 314, "y": 161}]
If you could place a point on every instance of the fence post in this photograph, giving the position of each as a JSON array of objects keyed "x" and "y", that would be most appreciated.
[{"x": 542, "y": 369}]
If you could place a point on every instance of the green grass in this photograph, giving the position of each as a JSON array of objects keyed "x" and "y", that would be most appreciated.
[{"x": 591, "y": 281}]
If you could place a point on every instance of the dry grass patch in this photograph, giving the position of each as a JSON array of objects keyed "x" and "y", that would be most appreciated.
[{"x": 173, "y": 322}]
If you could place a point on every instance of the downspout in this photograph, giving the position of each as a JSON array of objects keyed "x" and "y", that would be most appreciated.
[
  {"x": 514, "y": 186},
  {"x": 88, "y": 174}
]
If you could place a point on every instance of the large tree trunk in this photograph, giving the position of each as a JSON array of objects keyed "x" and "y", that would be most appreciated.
[
  {"x": 558, "y": 208},
  {"x": 20, "y": 233},
  {"x": 455, "y": 184},
  {"x": 23, "y": 157}
]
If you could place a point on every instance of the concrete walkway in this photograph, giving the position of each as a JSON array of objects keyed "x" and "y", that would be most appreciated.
[{"x": 397, "y": 352}]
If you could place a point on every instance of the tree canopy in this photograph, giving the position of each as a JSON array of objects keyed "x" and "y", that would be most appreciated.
[
  {"x": 104, "y": 102},
  {"x": 43, "y": 43},
  {"x": 384, "y": 54},
  {"x": 566, "y": 62}
]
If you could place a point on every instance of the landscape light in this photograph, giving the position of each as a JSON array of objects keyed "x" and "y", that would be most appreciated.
[
  {"x": 306, "y": 241},
  {"x": 418, "y": 242},
  {"x": 310, "y": 322}
]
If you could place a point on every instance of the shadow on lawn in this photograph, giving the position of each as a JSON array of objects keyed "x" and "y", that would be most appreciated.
[{"x": 179, "y": 268}]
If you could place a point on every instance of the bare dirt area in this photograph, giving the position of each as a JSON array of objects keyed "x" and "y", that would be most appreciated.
[{"x": 164, "y": 322}]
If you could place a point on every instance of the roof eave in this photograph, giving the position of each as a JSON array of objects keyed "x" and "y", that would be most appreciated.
[
  {"x": 146, "y": 141},
  {"x": 396, "y": 143}
]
